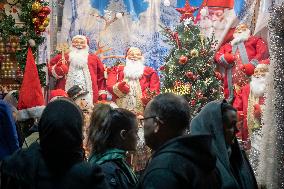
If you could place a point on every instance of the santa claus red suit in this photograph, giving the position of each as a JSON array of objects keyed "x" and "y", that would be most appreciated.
[
  {"x": 242, "y": 54},
  {"x": 78, "y": 67},
  {"x": 249, "y": 102},
  {"x": 133, "y": 85}
]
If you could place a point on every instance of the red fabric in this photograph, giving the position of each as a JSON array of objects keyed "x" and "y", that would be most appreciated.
[
  {"x": 30, "y": 94},
  {"x": 123, "y": 87},
  {"x": 241, "y": 104},
  {"x": 96, "y": 69},
  {"x": 150, "y": 80},
  {"x": 256, "y": 48}
]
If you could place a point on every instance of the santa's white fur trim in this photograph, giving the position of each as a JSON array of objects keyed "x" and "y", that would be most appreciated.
[
  {"x": 204, "y": 11},
  {"x": 117, "y": 92},
  {"x": 80, "y": 37},
  {"x": 34, "y": 112},
  {"x": 53, "y": 72}
]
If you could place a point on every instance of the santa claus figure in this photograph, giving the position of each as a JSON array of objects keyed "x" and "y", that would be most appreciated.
[
  {"x": 249, "y": 103},
  {"x": 214, "y": 18},
  {"x": 239, "y": 56},
  {"x": 132, "y": 86},
  {"x": 78, "y": 67}
]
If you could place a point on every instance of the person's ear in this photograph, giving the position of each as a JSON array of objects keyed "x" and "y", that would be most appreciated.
[
  {"x": 123, "y": 134},
  {"x": 157, "y": 124}
]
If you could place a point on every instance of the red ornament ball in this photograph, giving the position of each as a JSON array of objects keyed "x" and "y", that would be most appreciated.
[
  {"x": 189, "y": 75},
  {"x": 42, "y": 15},
  {"x": 46, "y": 10},
  {"x": 183, "y": 60}
]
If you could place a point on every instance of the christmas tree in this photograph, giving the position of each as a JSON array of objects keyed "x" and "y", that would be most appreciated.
[{"x": 189, "y": 69}]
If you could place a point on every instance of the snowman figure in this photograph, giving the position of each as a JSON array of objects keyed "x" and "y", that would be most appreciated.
[{"x": 12, "y": 7}]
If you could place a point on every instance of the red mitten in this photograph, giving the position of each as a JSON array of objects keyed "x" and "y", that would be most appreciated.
[
  {"x": 230, "y": 58},
  {"x": 123, "y": 87},
  {"x": 145, "y": 100},
  {"x": 248, "y": 69},
  {"x": 257, "y": 111}
]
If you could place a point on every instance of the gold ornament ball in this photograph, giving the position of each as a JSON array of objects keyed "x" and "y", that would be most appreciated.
[
  {"x": 2, "y": 44},
  {"x": 194, "y": 53},
  {"x": 45, "y": 23},
  {"x": 36, "y": 7},
  {"x": 41, "y": 28},
  {"x": 2, "y": 50},
  {"x": 13, "y": 45}
]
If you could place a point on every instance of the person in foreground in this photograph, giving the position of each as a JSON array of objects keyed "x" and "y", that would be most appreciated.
[
  {"x": 57, "y": 162},
  {"x": 179, "y": 160},
  {"x": 112, "y": 133},
  {"x": 219, "y": 119}
]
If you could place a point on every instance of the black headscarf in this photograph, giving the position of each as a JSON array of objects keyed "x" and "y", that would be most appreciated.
[
  {"x": 209, "y": 121},
  {"x": 60, "y": 133}
]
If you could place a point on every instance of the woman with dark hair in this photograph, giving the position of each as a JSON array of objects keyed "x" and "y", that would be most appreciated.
[
  {"x": 58, "y": 157},
  {"x": 112, "y": 133}
]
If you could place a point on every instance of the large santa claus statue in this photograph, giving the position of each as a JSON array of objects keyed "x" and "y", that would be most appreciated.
[
  {"x": 78, "y": 67},
  {"x": 250, "y": 101},
  {"x": 133, "y": 85},
  {"x": 242, "y": 54}
]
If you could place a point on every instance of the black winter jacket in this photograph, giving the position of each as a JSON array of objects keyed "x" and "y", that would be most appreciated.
[{"x": 183, "y": 162}]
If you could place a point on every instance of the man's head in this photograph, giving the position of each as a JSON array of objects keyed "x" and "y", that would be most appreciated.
[
  {"x": 134, "y": 67},
  {"x": 241, "y": 33},
  {"x": 165, "y": 117},
  {"x": 258, "y": 80},
  {"x": 229, "y": 118}
]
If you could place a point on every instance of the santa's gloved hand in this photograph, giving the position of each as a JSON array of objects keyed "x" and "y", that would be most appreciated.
[
  {"x": 123, "y": 87},
  {"x": 257, "y": 111},
  {"x": 230, "y": 58},
  {"x": 59, "y": 70},
  {"x": 145, "y": 100},
  {"x": 248, "y": 69}
]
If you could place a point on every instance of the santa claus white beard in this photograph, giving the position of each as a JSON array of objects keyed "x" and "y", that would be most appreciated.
[
  {"x": 134, "y": 69},
  {"x": 79, "y": 57},
  {"x": 257, "y": 86},
  {"x": 240, "y": 37}
]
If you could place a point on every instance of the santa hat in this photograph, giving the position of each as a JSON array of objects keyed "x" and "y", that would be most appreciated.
[
  {"x": 54, "y": 94},
  {"x": 263, "y": 65},
  {"x": 216, "y": 4},
  {"x": 31, "y": 101},
  {"x": 86, "y": 39}
]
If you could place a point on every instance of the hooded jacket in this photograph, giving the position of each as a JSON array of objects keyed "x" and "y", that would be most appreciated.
[
  {"x": 58, "y": 157},
  {"x": 182, "y": 162},
  {"x": 235, "y": 170},
  {"x": 8, "y": 133}
]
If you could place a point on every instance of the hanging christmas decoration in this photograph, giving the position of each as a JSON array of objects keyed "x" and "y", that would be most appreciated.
[
  {"x": 183, "y": 60},
  {"x": 187, "y": 11},
  {"x": 40, "y": 14}
]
